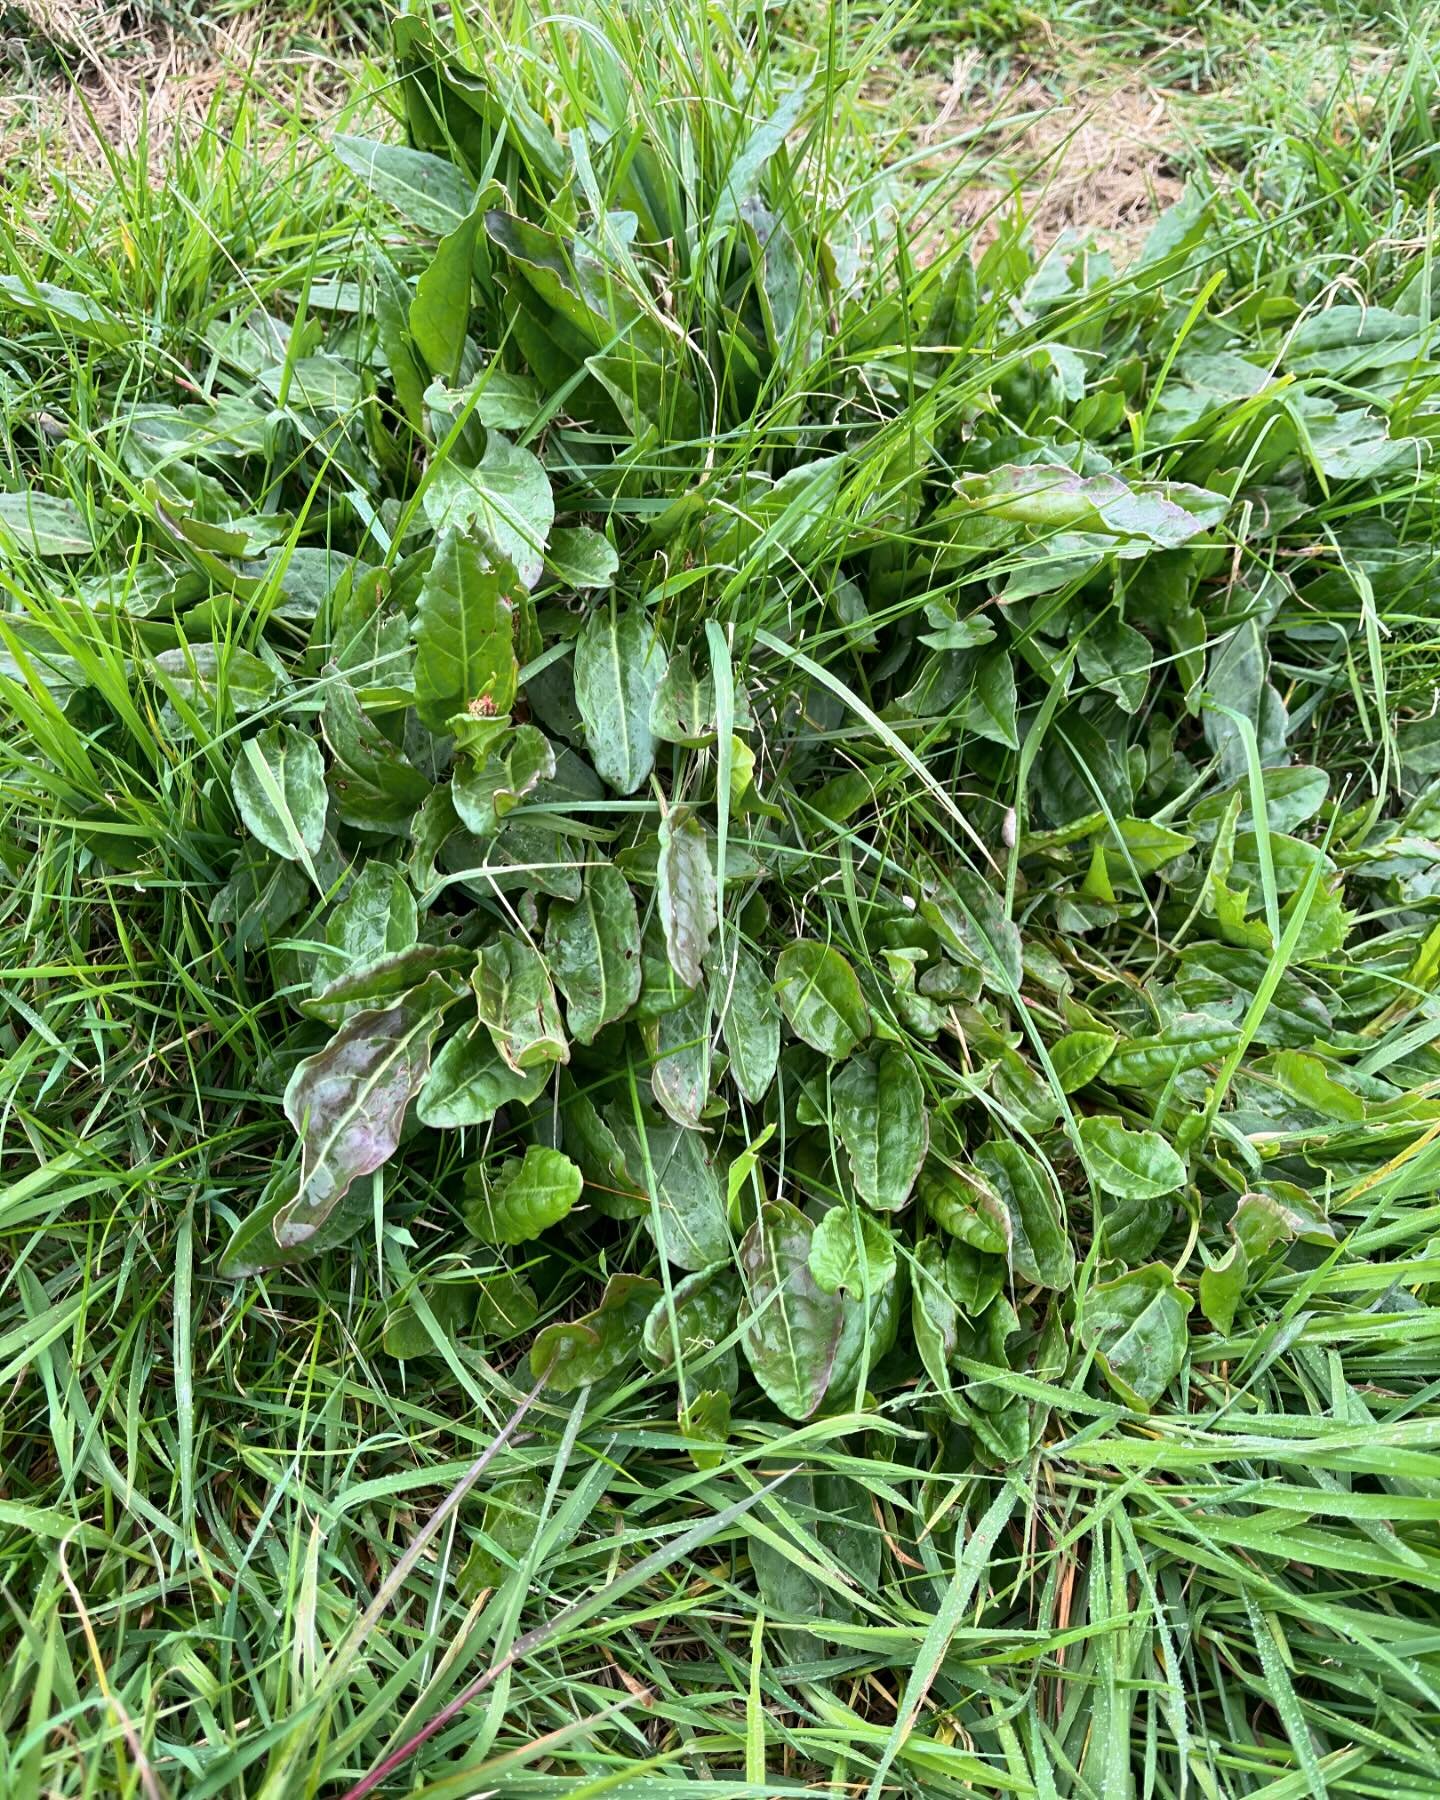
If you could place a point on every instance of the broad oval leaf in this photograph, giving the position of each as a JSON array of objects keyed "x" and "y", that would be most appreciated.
[
  {"x": 348, "y": 1102},
  {"x": 464, "y": 635},
  {"x": 618, "y": 665},
  {"x": 851, "y": 1249},
  {"x": 486, "y": 791},
  {"x": 469, "y": 1082},
  {"x": 683, "y": 708},
  {"x": 427, "y": 190},
  {"x": 279, "y": 786},
  {"x": 821, "y": 997},
  {"x": 505, "y": 498},
  {"x": 698, "y": 1315},
  {"x": 593, "y": 949},
  {"x": 1039, "y": 1245},
  {"x": 790, "y": 1327},
  {"x": 590, "y": 1348},
  {"x": 1137, "y": 1327},
  {"x": 518, "y": 1004},
  {"x": 749, "y": 1023},
  {"x": 679, "y": 1043},
  {"x": 528, "y": 1196},
  {"x": 1132, "y": 1165},
  {"x": 879, "y": 1106},
  {"x": 686, "y": 893},
  {"x": 687, "y": 1219},
  {"x": 1079, "y": 1056},
  {"x": 970, "y": 919}
]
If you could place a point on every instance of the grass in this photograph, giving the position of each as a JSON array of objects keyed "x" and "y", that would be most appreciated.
[{"x": 246, "y": 1548}]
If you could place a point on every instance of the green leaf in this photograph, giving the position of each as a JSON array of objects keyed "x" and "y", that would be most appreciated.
[
  {"x": 1132, "y": 1165},
  {"x": 425, "y": 189},
  {"x": 518, "y": 1004},
  {"x": 485, "y": 792},
  {"x": 348, "y": 1102},
  {"x": 507, "y": 1306},
  {"x": 618, "y": 665},
  {"x": 701, "y": 1316},
  {"x": 279, "y": 786},
  {"x": 749, "y": 1023},
  {"x": 683, "y": 708},
  {"x": 440, "y": 311},
  {"x": 44, "y": 526},
  {"x": 200, "y": 673},
  {"x": 790, "y": 1328},
  {"x": 470, "y": 1082},
  {"x": 528, "y": 1196},
  {"x": 969, "y": 917},
  {"x": 706, "y": 1421},
  {"x": 464, "y": 635},
  {"x": 1222, "y": 1285},
  {"x": 1137, "y": 1328},
  {"x": 252, "y": 1248},
  {"x": 593, "y": 949},
  {"x": 880, "y": 1114},
  {"x": 374, "y": 786},
  {"x": 991, "y": 710},
  {"x": 821, "y": 997},
  {"x": 581, "y": 558},
  {"x": 452, "y": 1306},
  {"x": 376, "y": 919},
  {"x": 1039, "y": 1245},
  {"x": 590, "y": 1348},
  {"x": 1079, "y": 1056},
  {"x": 960, "y": 1202},
  {"x": 1159, "y": 513},
  {"x": 64, "y": 309},
  {"x": 383, "y": 980},
  {"x": 688, "y": 1218},
  {"x": 685, "y": 894},
  {"x": 851, "y": 1249},
  {"x": 679, "y": 1043},
  {"x": 505, "y": 498}
]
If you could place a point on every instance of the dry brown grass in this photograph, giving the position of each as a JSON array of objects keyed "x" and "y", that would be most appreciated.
[{"x": 83, "y": 74}]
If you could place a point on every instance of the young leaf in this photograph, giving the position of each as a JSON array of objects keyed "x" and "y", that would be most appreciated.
[
  {"x": 348, "y": 1102},
  {"x": 464, "y": 635},
  {"x": 686, "y": 893},
  {"x": 790, "y": 1327},
  {"x": 683, "y": 708},
  {"x": 618, "y": 665},
  {"x": 505, "y": 498},
  {"x": 469, "y": 1082},
  {"x": 528, "y": 1196},
  {"x": 517, "y": 1003},
  {"x": 880, "y": 1114},
  {"x": 749, "y": 1023},
  {"x": 821, "y": 997},
  {"x": 851, "y": 1249},
  {"x": 279, "y": 787},
  {"x": 1132, "y": 1165},
  {"x": 1034, "y": 1218},
  {"x": 1137, "y": 1327},
  {"x": 486, "y": 791},
  {"x": 593, "y": 949},
  {"x": 588, "y": 1349},
  {"x": 679, "y": 1044},
  {"x": 427, "y": 190}
]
